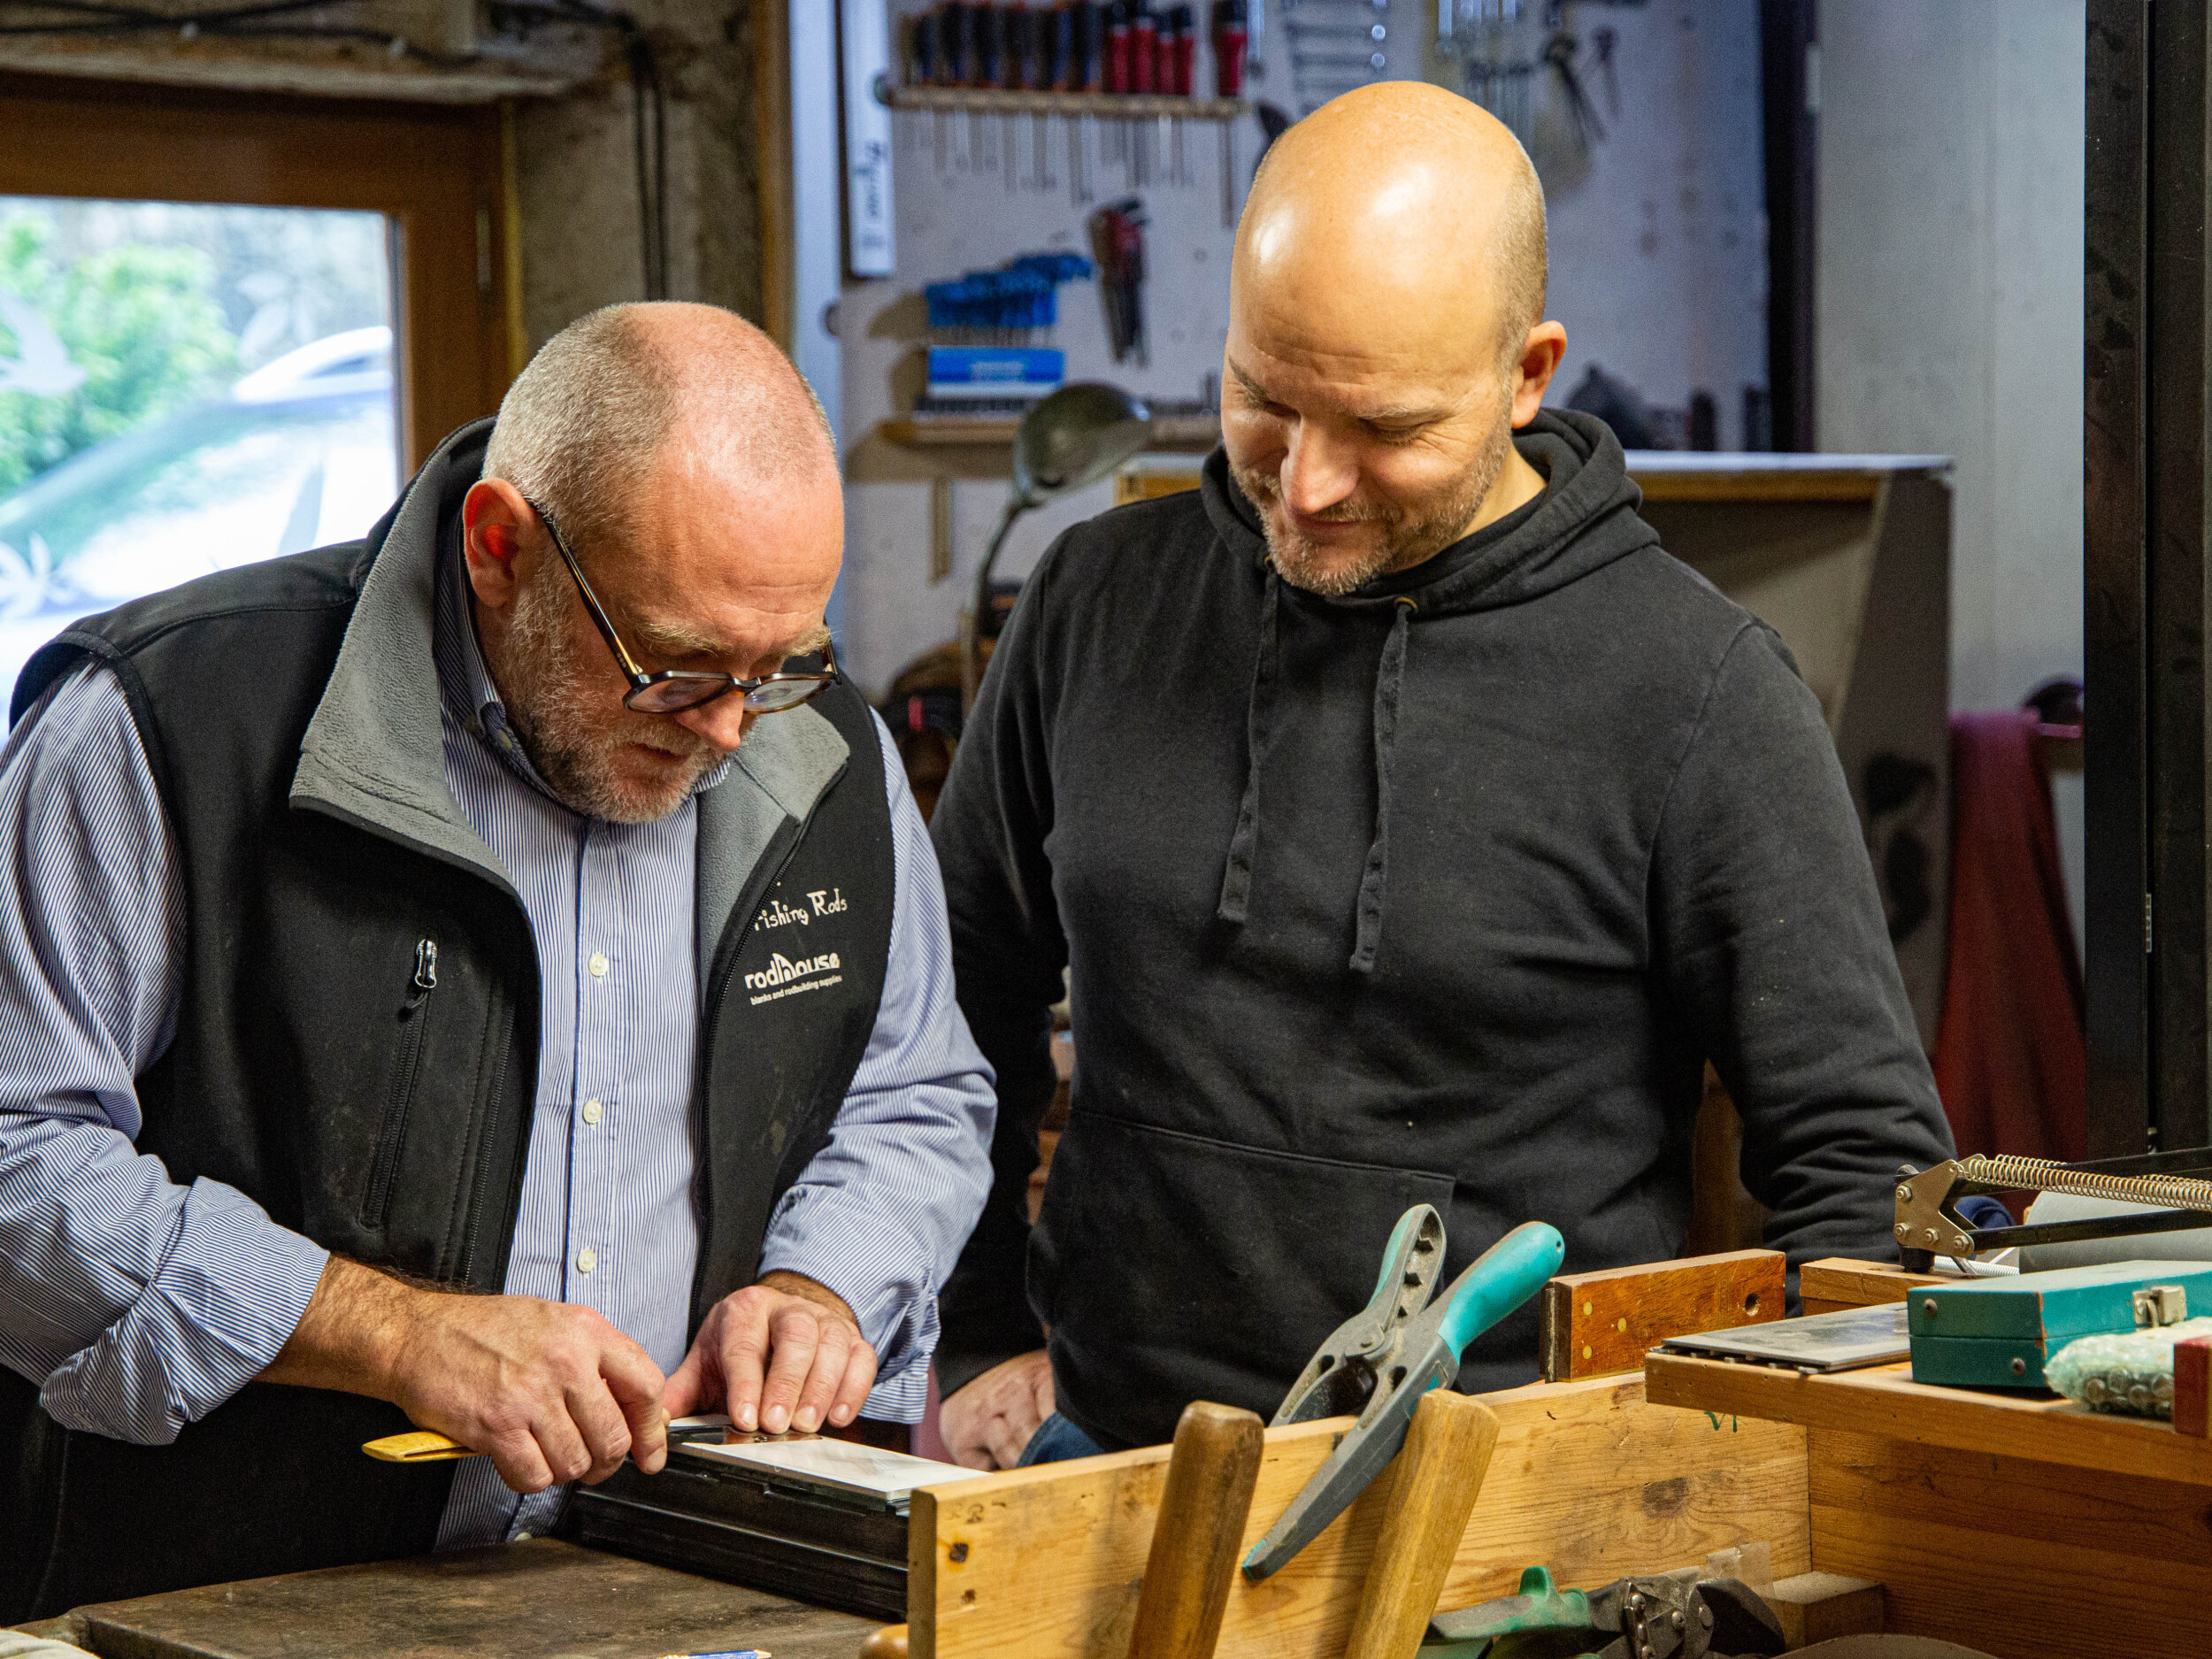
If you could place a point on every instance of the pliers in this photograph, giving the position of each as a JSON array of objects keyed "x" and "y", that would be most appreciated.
[{"x": 1379, "y": 1362}]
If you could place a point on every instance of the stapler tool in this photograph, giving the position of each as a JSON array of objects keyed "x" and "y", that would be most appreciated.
[{"x": 1378, "y": 1364}]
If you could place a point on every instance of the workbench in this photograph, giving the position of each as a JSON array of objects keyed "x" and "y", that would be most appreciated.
[
  {"x": 2007, "y": 1521},
  {"x": 540, "y": 1600}
]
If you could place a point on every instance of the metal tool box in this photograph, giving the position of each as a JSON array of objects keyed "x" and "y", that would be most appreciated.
[{"x": 1999, "y": 1332}]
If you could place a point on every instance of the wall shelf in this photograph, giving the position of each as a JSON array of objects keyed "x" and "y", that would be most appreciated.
[
  {"x": 1193, "y": 433},
  {"x": 1121, "y": 106}
]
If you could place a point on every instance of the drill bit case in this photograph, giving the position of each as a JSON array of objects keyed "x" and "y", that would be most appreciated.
[{"x": 2001, "y": 1332}]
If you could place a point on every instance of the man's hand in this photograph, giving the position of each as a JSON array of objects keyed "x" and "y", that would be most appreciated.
[
  {"x": 786, "y": 1353},
  {"x": 987, "y": 1422},
  {"x": 550, "y": 1390}
]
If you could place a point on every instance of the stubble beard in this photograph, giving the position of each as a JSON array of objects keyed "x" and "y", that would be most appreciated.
[
  {"x": 564, "y": 724},
  {"x": 1409, "y": 537}
]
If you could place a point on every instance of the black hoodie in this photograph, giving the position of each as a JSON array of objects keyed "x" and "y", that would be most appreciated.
[{"x": 1442, "y": 891}]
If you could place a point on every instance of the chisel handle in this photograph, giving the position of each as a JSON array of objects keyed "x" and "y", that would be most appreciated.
[
  {"x": 1209, "y": 1480},
  {"x": 1500, "y": 1279},
  {"x": 422, "y": 1445}
]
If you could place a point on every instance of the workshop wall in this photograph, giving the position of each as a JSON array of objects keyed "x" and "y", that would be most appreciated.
[
  {"x": 1949, "y": 298},
  {"x": 1949, "y": 311},
  {"x": 1658, "y": 265}
]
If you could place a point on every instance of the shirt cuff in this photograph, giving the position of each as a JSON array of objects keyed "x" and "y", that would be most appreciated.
[
  {"x": 230, "y": 1291},
  {"x": 885, "y": 1274}
]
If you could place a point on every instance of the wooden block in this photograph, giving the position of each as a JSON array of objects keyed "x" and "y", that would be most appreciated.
[
  {"x": 1598, "y": 1325},
  {"x": 1839, "y": 1282},
  {"x": 1815, "y": 1606},
  {"x": 2014, "y": 1558},
  {"x": 1435, "y": 1480},
  {"x": 1585, "y": 1477},
  {"x": 2193, "y": 1359}
]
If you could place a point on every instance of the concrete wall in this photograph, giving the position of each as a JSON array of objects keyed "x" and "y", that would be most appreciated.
[
  {"x": 1950, "y": 298},
  {"x": 1950, "y": 309}
]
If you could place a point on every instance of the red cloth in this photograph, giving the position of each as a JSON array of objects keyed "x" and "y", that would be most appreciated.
[{"x": 2009, "y": 1061}]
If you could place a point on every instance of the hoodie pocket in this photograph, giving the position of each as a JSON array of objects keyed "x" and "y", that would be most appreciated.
[
  {"x": 414, "y": 1018},
  {"x": 1173, "y": 1267}
]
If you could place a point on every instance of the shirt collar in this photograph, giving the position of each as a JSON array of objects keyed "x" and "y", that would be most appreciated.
[{"x": 465, "y": 685}]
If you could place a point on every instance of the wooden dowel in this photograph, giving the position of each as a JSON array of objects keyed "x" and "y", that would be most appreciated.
[
  {"x": 1199, "y": 1532},
  {"x": 1434, "y": 1480}
]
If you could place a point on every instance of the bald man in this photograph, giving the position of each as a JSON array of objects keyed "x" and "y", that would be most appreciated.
[
  {"x": 513, "y": 902},
  {"x": 1413, "y": 829}
]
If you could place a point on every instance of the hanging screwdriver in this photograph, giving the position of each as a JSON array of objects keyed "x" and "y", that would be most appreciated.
[
  {"x": 1179, "y": 45},
  {"x": 1230, "y": 39}
]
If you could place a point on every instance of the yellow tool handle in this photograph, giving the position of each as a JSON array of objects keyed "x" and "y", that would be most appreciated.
[
  {"x": 420, "y": 1447},
  {"x": 1200, "y": 1528},
  {"x": 1435, "y": 1479}
]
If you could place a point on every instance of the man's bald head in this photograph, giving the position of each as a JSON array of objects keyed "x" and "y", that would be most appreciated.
[
  {"x": 1411, "y": 203},
  {"x": 627, "y": 388},
  {"x": 1385, "y": 334}
]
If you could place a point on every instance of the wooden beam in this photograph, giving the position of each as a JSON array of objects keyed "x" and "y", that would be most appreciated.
[
  {"x": 1839, "y": 1282},
  {"x": 1885, "y": 1400},
  {"x": 1597, "y": 1325},
  {"x": 1586, "y": 1478}
]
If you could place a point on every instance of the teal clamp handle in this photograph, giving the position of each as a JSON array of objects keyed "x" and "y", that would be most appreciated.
[{"x": 1502, "y": 1277}]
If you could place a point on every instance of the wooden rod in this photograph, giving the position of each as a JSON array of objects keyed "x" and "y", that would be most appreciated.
[
  {"x": 1433, "y": 1482},
  {"x": 1199, "y": 1534}
]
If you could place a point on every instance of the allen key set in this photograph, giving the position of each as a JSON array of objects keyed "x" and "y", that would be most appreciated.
[{"x": 1120, "y": 76}]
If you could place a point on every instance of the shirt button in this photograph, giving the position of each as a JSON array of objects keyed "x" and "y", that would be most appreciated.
[
  {"x": 598, "y": 964},
  {"x": 592, "y": 1109},
  {"x": 587, "y": 1259}
]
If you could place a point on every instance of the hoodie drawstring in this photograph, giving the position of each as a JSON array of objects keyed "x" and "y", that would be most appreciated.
[
  {"x": 1236, "y": 882},
  {"x": 1389, "y": 681}
]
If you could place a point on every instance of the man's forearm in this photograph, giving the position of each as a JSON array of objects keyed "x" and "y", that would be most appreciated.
[{"x": 354, "y": 1327}]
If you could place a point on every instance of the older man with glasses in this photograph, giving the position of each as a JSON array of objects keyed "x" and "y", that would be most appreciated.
[{"x": 515, "y": 902}]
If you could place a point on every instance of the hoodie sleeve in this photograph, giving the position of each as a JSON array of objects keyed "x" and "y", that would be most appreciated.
[
  {"x": 1008, "y": 953},
  {"x": 1772, "y": 945}
]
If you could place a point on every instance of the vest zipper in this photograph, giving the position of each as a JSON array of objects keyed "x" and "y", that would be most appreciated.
[{"x": 414, "y": 1017}]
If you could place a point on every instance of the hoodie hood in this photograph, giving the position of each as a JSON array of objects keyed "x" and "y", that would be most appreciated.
[{"x": 1584, "y": 520}]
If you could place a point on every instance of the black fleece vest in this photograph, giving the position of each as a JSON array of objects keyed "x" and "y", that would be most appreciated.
[{"x": 314, "y": 1071}]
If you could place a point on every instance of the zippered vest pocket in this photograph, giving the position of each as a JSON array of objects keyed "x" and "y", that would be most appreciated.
[{"x": 414, "y": 1017}]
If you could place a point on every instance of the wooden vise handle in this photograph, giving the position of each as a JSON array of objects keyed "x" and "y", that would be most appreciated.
[
  {"x": 1199, "y": 1534},
  {"x": 1433, "y": 1482}
]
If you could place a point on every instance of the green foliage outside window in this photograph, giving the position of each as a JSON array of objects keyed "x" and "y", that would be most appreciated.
[{"x": 143, "y": 323}]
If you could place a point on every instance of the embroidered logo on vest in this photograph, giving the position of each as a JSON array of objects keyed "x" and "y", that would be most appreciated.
[{"x": 783, "y": 977}]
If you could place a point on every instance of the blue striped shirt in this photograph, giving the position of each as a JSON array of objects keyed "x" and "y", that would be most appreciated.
[{"x": 138, "y": 1305}]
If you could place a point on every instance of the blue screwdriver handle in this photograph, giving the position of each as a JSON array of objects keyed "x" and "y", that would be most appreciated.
[{"x": 1500, "y": 1279}]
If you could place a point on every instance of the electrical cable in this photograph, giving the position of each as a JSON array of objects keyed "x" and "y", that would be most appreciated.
[{"x": 258, "y": 21}]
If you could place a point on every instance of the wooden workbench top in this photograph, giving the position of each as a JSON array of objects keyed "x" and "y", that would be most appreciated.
[
  {"x": 1884, "y": 1400},
  {"x": 540, "y": 1600}
]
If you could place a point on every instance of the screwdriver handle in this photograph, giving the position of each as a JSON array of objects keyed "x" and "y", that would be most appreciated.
[{"x": 1500, "y": 1279}]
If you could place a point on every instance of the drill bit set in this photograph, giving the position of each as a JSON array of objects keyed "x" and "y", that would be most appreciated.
[{"x": 1122, "y": 77}]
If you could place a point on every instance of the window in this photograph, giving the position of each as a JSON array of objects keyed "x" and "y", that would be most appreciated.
[{"x": 183, "y": 387}]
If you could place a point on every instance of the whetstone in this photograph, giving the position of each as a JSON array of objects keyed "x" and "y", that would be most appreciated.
[{"x": 529, "y": 1601}]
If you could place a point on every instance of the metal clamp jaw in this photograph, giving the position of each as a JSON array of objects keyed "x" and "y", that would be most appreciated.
[{"x": 1928, "y": 1223}]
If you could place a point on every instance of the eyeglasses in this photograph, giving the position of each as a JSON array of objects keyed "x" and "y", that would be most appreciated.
[{"x": 672, "y": 691}]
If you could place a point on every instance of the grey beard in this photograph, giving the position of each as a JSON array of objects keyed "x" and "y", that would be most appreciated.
[
  {"x": 1298, "y": 561},
  {"x": 552, "y": 713}
]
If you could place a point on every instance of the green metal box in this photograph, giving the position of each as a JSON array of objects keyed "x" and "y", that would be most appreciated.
[{"x": 1998, "y": 1332}]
